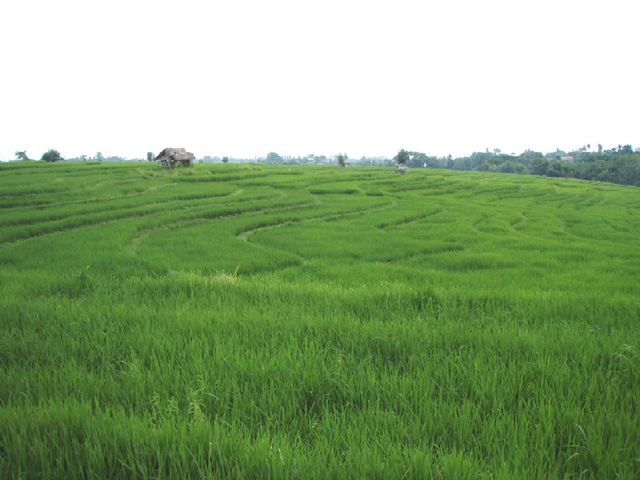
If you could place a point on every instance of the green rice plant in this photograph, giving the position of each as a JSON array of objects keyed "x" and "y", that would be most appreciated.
[{"x": 315, "y": 322}]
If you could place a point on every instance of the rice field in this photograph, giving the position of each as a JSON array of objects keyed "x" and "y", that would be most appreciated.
[{"x": 262, "y": 321}]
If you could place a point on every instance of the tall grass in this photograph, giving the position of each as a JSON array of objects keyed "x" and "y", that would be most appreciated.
[{"x": 280, "y": 323}]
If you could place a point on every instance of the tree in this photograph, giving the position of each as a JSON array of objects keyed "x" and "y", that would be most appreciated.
[
  {"x": 22, "y": 155},
  {"x": 555, "y": 169},
  {"x": 273, "y": 157},
  {"x": 539, "y": 166},
  {"x": 403, "y": 157},
  {"x": 51, "y": 156},
  {"x": 627, "y": 149},
  {"x": 528, "y": 156},
  {"x": 150, "y": 156},
  {"x": 342, "y": 159},
  {"x": 511, "y": 167},
  {"x": 225, "y": 159}
]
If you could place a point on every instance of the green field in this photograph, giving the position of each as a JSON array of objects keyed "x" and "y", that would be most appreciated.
[{"x": 245, "y": 321}]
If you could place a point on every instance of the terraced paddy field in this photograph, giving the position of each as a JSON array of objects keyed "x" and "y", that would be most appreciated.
[{"x": 243, "y": 321}]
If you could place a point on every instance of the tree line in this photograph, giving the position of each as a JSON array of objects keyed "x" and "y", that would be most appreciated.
[{"x": 617, "y": 165}]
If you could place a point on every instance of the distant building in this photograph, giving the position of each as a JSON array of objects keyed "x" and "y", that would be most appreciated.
[
  {"x": 567, "y": 158},
  {"x": 173, "y": 157}
]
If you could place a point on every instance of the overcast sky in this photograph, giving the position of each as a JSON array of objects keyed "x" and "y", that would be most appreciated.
[{"x": 243, "y": 78}]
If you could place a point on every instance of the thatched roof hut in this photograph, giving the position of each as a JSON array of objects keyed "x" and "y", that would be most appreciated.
[{"x": 172, "y": 157}]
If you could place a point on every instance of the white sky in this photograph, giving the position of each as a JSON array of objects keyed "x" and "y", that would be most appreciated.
[{"x": 245, "y": 77}]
